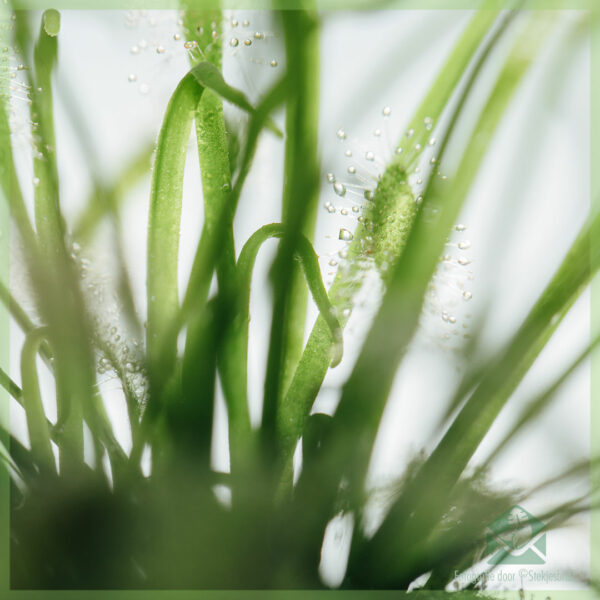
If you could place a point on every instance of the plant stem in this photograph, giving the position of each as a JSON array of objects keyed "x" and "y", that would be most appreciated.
[
  {"x": 299, "y": 210},
  {"x": 39, "y": 433},
  {"x": 301, "y": 157},
  {"x": 163, "y": 227}
]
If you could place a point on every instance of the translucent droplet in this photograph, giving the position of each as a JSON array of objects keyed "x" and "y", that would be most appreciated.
[
  {"x": 273, "y": 63},
  {"x": 433, "y": 160},
  {"x": 410, "y": 133},
  {"x": 233, "y": 42},
  {"x": 189, "y": 45},
  {"x": 160, "y": 50},
  {"x": 344, "y": 212},
  {"x": 369, "y": 194},
  {"x": 258, "y": 35},
  {"x": 234, "y": 22},
  {"x": 339, "y": 188},
  {"x": 346, "y": 313},
  {"x": 330, "y": 177},
  {"x": 348, "y": 153},
  {"x": 214, "y": 34},
  {"x": 144, "y": 88},
  {"x": 341, "y": 134},
  {"x": 386, "y": 111},
  {"x": 343, "y": 253},
  {"x": 355, "y": 209},
  {"x": 464, "y": 245},
  {"x": 36, "y": 181},
  {"x": 464, "y": 261},
  {"x": 370, "y": 156},
  {"x": 129, "y": 367},
  {"x": 132, "y": 77},
  {"x": 452, "y": 319},
  {"x": 417, "y": 147},
  {"x": 351, "y": 170},
  {"x": 467, "y": 295},
  {"x": 461, "y": 227},
  {"x": 345, "y": 235},
  {"x": 419, "y": 200},
  {"x": 377, "y": 132},
  {"x": 398, "y": 150},
  {"x": 245, "y": 23},
  {"x": 333, "y": 262},
  {"x": 431, "y": 141},
  {"x": 419, "y": 181},
  {"x": 247, "y": 42},
  {"x": 177, "y": 37}
]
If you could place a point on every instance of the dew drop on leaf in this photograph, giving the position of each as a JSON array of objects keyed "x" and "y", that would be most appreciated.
[
  {"x": 345, "y": 235},
  {"x": 339, "y": 188}
]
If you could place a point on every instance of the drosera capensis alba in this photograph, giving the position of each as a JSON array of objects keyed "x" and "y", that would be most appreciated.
[{"x": 291, "y": 504}]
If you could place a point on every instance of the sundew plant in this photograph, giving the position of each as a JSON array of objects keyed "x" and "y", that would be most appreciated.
[{"x": 252, "y": 349}]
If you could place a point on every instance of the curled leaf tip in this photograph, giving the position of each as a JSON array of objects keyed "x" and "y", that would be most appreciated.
[{"x": 51, "y": 22}]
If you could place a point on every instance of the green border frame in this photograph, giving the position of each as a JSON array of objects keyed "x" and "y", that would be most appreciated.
[{"x": 593, "y": 8}]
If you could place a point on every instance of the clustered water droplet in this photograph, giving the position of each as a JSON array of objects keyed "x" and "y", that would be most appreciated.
[
  {"x": 339, "y": 188},
  {"x": 345, "y": 235}
]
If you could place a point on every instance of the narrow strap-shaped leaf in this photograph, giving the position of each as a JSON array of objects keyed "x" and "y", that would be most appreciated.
[
  {"x": 300, "y": 198},
  {"x": 312, "y": 272},
  {"x": 164, "y": 222},
  {"x": 204, "y": 263},
  {"x": 10, "y": 386},
  {"x": 9, "y": 183},
  {"x": 23, "y": 320},
  {"x": 540, "y": 402},
  {"x": 165, "y": 208},
  {"x": 47, "y": 215},
  {"x": 17, "y": 393},
  {"x": 39, "y": 433},
  {"x": 237, "y": 339}
]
